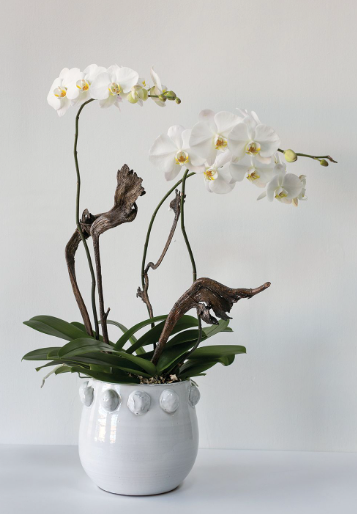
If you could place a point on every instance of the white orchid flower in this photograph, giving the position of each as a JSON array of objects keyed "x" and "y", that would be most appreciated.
[
  {"x": 250, "y": 118},
  {"x": 284, "y": 187},
  {"x": 210, "y": 134},
  {"x": 111, "y": 86},
  {"x": 138, "y": 94},
  {"x": 170, "y": 153},
  {"x": 217, "y": 177},
  {"x": 259, "y": 141},
  {"x": 79, "y": 90},
  {"x": 256, "y": 172},
  {"x": 57, "y": 96},
  {"x": 157, "y": 89},
  {"x": 302, "y": 195}
]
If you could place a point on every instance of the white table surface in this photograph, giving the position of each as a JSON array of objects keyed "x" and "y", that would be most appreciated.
[{"x": 50, "y": 479}]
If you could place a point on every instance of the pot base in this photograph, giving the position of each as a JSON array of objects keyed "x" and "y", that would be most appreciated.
[{"x": 150, "y": 494}]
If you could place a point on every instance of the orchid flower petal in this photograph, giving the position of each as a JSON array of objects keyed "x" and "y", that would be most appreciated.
[
  {"x": 171, "y": 174},
  {"x": 263, "y": 195},
  {"x": 127, "y": 78},
  {"x": 201, "y": 140},
  {"x": 175, "y": 134},
  {"x": 222, "y": 159},
  {"x": 225, "y": 121},
  {"x": 268, "y": 139},
  {"x": 100, "y": 86},
  {"x": 238, "y": 170},
  {"x": 293, "y": 185},
  {"x": 162, "y": 153},
  {"x": 156, "y": 79},
  {"x": 272, "y": 186},
  {"x": 237, "y": 140}
]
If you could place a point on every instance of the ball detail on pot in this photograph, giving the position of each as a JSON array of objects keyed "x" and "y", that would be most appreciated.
[
  {"x": 169, "y": 401},
  {"x": 194, "y": 395},
  {"x": 139, "y": 402},
  {"x": 86, "y": 394},
  {"x": 110, "y": 400}
]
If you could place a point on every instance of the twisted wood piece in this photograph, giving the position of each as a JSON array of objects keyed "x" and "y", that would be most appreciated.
[
  {"x": 204, "y": 294},
  {"x": 128, "y": 190}
]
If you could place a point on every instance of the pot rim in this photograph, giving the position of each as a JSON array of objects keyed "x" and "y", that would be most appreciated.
[{"x": 137, "y": 385}]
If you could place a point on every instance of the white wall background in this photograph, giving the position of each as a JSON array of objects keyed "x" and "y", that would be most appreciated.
[{"x": 293, "y": 63}]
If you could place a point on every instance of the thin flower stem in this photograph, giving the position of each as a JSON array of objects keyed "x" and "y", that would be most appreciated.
[
  {"x": 182, "y": 211},
  {"x": 151, "y": 225},
  {"x": 79, "y": 228},
  {"x": 315, "y": 157},
  {"x": 194, "y": 270}
]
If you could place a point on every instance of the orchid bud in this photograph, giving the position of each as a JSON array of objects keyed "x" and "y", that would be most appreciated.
[
  {"x": 133, "y": 99},
  {"x": 323, "y": 162},
  {"x": 290, "y": 156},
  {"x": 170, "y": 95},
  {"x": 177, "y": 100},
  {"x": 162, "y": 98},
  {"x": 143, "y": 94}
]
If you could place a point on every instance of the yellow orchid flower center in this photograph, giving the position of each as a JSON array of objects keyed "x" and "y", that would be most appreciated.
[
  {"x": 115, "y": 88},
  {"x": 280, "y": 193},
  {"x": 181, "y": 157},
  {"x": 220, "y": 142},
  {"x": 211, "y": 174},
  {"x": 252, "y": 148},
  {"x": 60, "y": 92},
  {"x": 82, "y": 85},
  {"x": 252, "y": 175}
]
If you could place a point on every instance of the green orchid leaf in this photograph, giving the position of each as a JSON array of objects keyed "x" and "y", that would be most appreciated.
[
  {"x": 125, "y": 337},
  {"x": 82, "y": 345},
  {"x": 83, "y": 328},
  {"x": 41, "y": 354},
  {"x": 215, "y": 329},
  {"x": 67, "y": 369},
  {"x": 227, "y": 360},
  {"x": 170, "y": 357},
  {"x": 55, "y": 327},
  {"x": 120, "y": 359},
  {"x": 115, "y": 378},
  {"x": 51, "y": 363},
  {"x": 152, "y": 336},
  {"x": 194, "y": 368},
  {"x": 148, "y": 366},
  {"x": 132, "y": 339},
  {"x": 216, "y": 352},
  {"x": 185, "y": 337}
]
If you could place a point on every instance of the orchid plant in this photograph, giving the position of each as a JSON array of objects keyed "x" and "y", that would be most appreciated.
[{"x": 224, "y": 148}]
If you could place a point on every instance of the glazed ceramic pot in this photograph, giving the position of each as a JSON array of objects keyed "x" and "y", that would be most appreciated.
[{"x": 138, "y": 439}]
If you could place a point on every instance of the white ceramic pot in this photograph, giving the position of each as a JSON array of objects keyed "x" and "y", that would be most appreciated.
[{"x": 138, "y": 439}]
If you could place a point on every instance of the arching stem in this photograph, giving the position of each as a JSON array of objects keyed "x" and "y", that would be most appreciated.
[
  {"x": 183, "y": 229},
  {"x": 79, "y": 228},
  {"x": 315, "y": 157},
  {"x": 194, "y": 269},
  {"x": 146, "y": 244}
]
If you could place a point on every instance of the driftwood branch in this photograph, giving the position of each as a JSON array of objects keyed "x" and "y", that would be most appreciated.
[
  {"x": 204, "y": 295},
  {"x": 143, "y": 293},
  {"x": 128, "y": 190},
  {"x": 70, "y": 252}
]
